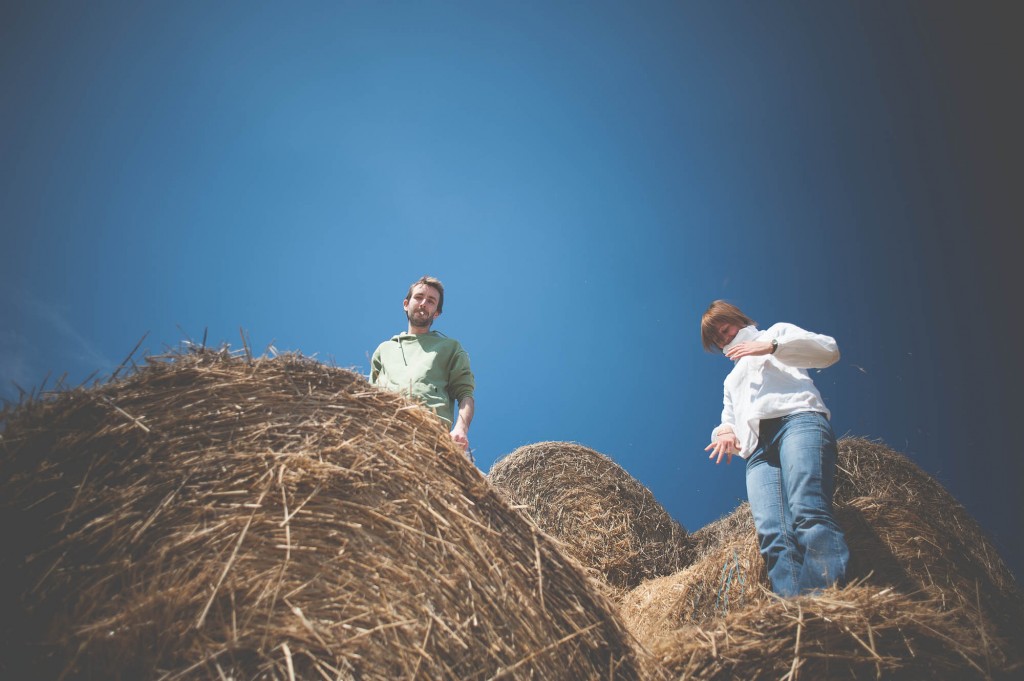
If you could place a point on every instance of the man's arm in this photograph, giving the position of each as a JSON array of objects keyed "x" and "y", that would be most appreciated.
[
  {"x": 460, "y": 386},
  {"x": 460, "y": 433},
  {"x": 375, "y": 366}
]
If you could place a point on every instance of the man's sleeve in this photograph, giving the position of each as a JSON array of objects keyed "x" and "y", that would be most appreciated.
[
  {"x": 375, "y": 366},
  {"x": 460, "y": 378}
]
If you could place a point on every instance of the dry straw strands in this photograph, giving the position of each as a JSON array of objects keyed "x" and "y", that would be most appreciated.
[
  {"x": 925, "y": 573},
  {"x": 726, "y": 574},
  {"x": 605, "y": 518},
  {"x": 854, "y": 633},
  {"x": 896, "y": 496},
  {"x": 905, "y": 530},
  {"x": 213, "y": 516}
]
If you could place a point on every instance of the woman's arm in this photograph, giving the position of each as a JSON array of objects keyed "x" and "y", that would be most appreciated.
[
  {"x": 723, "y": 438},
  {"x": 792, "y": 346},
  {"x": 803, "y": 349}
]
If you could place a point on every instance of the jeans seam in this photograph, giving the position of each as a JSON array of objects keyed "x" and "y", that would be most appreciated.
[{"x": 783, "y": 527}]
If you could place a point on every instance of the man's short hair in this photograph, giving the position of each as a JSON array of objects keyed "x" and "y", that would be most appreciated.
[{"x": 428, "y": 281}]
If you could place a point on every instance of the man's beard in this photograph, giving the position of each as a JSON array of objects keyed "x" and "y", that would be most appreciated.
[{"x": 419, "y": 320}]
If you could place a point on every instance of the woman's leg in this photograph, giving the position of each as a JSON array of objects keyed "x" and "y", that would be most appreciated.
[
  {"x": 770, "y": 509},
  {"x": 807, "y": 456}
]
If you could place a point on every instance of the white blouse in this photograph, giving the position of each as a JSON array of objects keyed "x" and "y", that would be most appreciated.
[{"x": 773, "y": 385}]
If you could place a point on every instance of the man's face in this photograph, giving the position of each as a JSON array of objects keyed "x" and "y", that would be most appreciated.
[{"x": 421, "y": 308}]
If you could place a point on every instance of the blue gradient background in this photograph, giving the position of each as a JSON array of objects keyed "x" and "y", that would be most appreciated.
[{"x": 584, "y": 177}]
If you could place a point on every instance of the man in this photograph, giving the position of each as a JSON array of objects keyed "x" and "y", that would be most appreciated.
[{"x": 426, "y": 364}]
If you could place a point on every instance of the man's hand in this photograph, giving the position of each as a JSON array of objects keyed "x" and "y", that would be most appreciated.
[
  {"x": 460, "y": 436},
  {"x": 749, "y": 349},
  {"x": 726, "y": 444},
  {"x": 460, "y": 432}
]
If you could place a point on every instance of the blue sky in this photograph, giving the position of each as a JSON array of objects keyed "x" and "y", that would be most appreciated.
[{"x": 584, "y": 177}]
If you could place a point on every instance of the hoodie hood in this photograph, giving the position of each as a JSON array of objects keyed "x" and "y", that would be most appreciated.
[{"x": 406, "y": 336}]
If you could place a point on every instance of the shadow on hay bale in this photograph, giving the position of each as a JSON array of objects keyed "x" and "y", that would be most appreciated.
[
  {"x": 870, "y": 469},
  {"x": 605, "y": 517},
  {"x": 217, "y": 517},
  {"x": 727, "y": 573},
  {"x": 907, "y": 536},
  {"x": 906, "y": 530}
]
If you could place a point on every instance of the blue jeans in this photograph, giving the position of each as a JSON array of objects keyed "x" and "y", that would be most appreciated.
[{"x": 790, "y": 481}]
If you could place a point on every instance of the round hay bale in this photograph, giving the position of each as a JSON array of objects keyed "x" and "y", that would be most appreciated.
[
  {"x": 854, "y": 633},
  {"x": 214, "y": 516},
  {"x": 605, "y": 517},
  {"x": 870, "y": 469},
  {"x": 903, "y": 529},
  {"x": 907, "y": 537},
  {"x": 866, "y": 468},
  {"x": 727, "y": 573},
  {"x": 906, "y": 530}
]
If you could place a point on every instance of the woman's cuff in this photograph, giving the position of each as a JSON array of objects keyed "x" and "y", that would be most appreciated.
[{"x": 724, "y": 428}]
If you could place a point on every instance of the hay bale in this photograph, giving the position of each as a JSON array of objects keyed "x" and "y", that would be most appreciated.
[
  {"x": 907, "y": 537},
  {"x": 727, "y": 573},
  {"x": 866, "y": 468},
  {"x": 215, "y": 516},
  {"x": 906, "y": 530},
  {"x": 854, "y": 633},
  {"x": 605, "y": 517},
  {"x": 870, "y": 469}
]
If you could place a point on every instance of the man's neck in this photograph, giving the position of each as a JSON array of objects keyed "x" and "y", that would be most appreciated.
[{"x": 418, "y": 330}]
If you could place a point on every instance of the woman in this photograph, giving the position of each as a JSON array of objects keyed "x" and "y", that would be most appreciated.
[{"x": 774, "y": 417}]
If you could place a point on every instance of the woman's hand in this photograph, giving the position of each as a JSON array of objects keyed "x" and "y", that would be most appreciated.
[
  {"x": 749, "y": 349},
  {"x": 726, "y": 444}
]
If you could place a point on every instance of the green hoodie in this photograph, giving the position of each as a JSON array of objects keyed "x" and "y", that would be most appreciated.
[{"x": 428, "y": 366}]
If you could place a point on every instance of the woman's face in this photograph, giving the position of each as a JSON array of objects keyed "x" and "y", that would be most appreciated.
[{"x": 726, "y": 332}]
